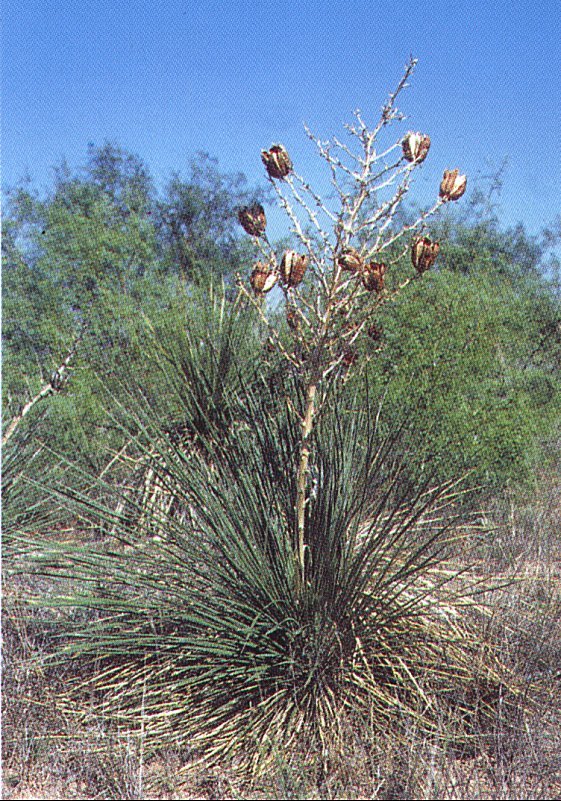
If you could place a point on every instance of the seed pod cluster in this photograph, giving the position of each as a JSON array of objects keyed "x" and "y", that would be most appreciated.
[
  {"x": 277, "y": 161},
  {"x": 373, "y": 276},
  {"x": 423, "y": 253},
  {"x": 263, "y": 278},
  {"x": 292, "y": 268},
  {"x": 252, "y": 219},
  {"x": 453, "y": 185},
  {"x": 415, "y": 147}
]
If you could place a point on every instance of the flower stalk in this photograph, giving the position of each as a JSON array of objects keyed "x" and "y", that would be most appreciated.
[{"x": 333, "y": 288}]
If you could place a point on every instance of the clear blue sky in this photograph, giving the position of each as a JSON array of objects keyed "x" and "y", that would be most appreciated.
[{"x": 166, "y": 79}]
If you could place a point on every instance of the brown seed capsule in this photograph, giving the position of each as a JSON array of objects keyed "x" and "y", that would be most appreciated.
[
  {"x": 373, "y": 276},
  {"x": 252, "y": 219},
  {"x": 293, "y": 268},
  {"x": 263, "y": 278},
  {"x": 453, "y": 185},
  {"x": 277, "y": 161},
  {"x": 415, "y": 147},
  {"x": 350, "y": 260},
  {"x": 423, "y": 253}
]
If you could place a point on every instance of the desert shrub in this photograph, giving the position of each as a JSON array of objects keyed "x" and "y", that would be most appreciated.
[{"x": 467, "y": 350}]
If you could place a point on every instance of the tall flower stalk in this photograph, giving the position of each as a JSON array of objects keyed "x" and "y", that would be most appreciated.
[{"x": 349, "y": 245}]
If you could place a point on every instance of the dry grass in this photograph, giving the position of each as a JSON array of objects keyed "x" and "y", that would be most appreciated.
[{"x": 48, "y": 754}]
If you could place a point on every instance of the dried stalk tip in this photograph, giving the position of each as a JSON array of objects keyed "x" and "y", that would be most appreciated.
[
  {"x": 373, "y": 276},
  {"x": 453, "y": 185},
  {"x": 277, "y": 161},
  {"x": 415, "y": 147},
  {"x": 252, "y": 219},
  {"x": 350, "y": 260},
  {"x": 293, "y": 267},
  {"x": 423, "y": 253},
  {"x": 263, "y": 278}
]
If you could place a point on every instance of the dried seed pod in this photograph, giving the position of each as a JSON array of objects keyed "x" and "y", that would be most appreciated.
[
  {"x": 373, "y": 276},
  {"x": 252, "y": 219},
  {"x": 277, "y": 161},
  {"x": 350, "y": 260},
  {"x": 423, "y": 253},
  {"x": 263, "y": 278},
  {"x": 293, "y": 267},
  {"x": 453, "y": 185},
  {"x": 415, "y": 147}
]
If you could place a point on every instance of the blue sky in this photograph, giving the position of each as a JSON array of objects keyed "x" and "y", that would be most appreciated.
[{"x": 167, "y": 79}]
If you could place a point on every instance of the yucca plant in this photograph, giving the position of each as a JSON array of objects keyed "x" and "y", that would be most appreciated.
[
  {"x": 200, "y": 358},
  {"x": 203, "y": 636},
  {"x": 304, "y": 591},
  {"x": 206, "y": 351}
]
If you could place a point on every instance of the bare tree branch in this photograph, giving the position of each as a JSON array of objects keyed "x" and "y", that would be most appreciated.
[{"x": 46, "y": 390}]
